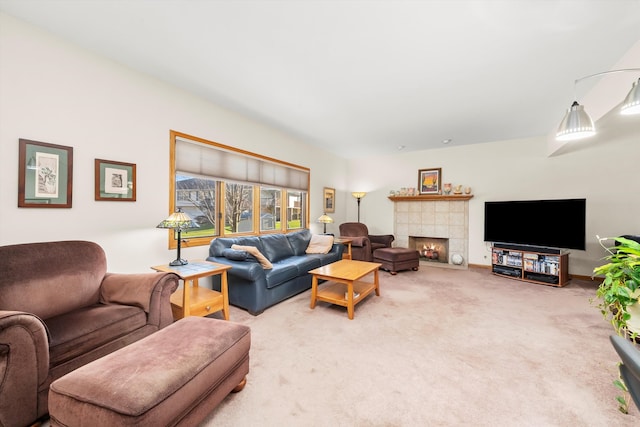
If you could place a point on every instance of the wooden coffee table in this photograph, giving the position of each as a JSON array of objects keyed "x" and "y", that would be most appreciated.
[{"x": 344, "y": 272}]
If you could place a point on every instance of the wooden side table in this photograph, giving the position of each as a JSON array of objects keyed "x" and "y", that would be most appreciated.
[
  {"x": 198, "y": 301},
  {"x": 347, "y": 242}
]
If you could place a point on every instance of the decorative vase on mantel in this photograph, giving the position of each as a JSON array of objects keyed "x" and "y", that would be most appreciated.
[{"x": 446, "y": 188}]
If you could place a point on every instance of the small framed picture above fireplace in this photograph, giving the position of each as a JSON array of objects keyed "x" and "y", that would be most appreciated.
[{"x": 429, "y": 181}]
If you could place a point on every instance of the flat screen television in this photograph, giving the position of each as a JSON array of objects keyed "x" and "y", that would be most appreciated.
[{"x": 542, "y": 223}]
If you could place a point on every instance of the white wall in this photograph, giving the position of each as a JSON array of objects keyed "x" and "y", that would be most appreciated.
[
  {"x": 51, "y": 91},
  {"x": 604, "y": 170}
]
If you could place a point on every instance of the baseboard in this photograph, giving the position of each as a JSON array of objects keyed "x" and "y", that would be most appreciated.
[
  {"x": 487, "y": 267},
  {"x": 597, "y": 280}
]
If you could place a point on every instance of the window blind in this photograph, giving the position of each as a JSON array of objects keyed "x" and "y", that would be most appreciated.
[{"x": 217, "y": 162}]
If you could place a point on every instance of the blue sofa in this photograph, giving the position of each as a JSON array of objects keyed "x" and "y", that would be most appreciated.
[{"x": 255, "y": 288}]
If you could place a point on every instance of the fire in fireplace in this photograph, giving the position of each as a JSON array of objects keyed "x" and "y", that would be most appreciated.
[{"x": 432, "y": 249}]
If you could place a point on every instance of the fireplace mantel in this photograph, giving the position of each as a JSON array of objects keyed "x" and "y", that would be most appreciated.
[{"x": 430, "y": 197}]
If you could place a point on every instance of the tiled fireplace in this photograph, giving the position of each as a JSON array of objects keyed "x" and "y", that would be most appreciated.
[{"x": 433, "y": 224}]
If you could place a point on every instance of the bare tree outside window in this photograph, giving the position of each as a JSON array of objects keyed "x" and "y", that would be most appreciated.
[
  {"x": 238, "y": 208},
  {"x": 197, "y": 197}
]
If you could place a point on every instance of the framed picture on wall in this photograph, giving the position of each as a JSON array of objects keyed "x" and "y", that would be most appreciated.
[
  {"x": 115, "y": 181},
  {"x": 45, "y": 175},
  {"x": 429, "y": 181},
  {"x": 329, "y": 199}
]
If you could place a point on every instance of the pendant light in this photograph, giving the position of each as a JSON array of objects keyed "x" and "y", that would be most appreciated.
[
  {"x": 631, "y": 104},
  {"x": 577, "y": 124}
]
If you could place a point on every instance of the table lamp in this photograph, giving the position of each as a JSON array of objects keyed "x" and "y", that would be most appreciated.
[
  {"x": 325, "y": 219},
  {"x": 178, "y": 221}
]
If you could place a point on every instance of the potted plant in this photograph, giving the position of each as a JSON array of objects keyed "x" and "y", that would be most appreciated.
[
  {"x": 618, "y": 295},
  {"x": 619, "y": 291}
]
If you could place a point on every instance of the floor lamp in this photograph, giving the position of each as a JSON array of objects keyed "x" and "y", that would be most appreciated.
[{"x": 358, "y": 195}]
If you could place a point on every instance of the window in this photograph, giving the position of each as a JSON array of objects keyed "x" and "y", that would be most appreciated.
[
  {"x": 228, "y": 191},
  {"x": 196, "y": 196},
  {"x": 238, "y": 212},
  {"x": 270, "y": 201},
  {"x": 295, "y": 209}
]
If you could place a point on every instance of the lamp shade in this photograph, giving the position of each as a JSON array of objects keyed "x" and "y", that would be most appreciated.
[
  {"x": 631, "y": 104},
  {"x": 325, "y": 219},
  {"x": 358, "y": 194},
  {"x": 576, "y": 124},
  {"x": 178, "y": 221}
]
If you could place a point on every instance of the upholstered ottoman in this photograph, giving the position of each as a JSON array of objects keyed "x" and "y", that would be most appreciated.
[
  {"x": 175, "y": 376},
  {"x": 396, "y": 259}
]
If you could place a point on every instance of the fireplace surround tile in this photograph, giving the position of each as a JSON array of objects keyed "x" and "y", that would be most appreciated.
[{"x": 447, "y": 219}]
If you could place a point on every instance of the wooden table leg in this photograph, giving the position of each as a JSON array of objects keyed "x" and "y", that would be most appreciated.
[
  {"x": 224, "y": 289},
  {"x": 376, "y": 282},
  {"x": 314, "y": 291},
  {"x": 350, "y": 299},
  {"x": 186, "y": 296}
]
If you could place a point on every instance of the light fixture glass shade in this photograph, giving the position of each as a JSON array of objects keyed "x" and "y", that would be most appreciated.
[
  {"x": 358, "y": 194},
  {"x": 178, "y": 221},
  {"x": 631, "y": 104},
  {"x": 325, "y": 219},
  {"x": 576, "y": 124}
]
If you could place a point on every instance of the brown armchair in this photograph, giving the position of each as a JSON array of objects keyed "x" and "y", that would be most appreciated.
[
  {"x": 60, "y": 309},
  {"x": 364, "y": 243}
]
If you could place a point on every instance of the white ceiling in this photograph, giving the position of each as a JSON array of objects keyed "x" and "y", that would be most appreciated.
[{"x": 363, "y": 75}]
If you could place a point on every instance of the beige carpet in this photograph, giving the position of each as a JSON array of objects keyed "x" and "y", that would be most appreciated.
[{"x": 439, "y": 347}]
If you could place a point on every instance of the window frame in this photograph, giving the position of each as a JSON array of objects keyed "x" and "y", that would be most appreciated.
[{"x": 220, "y": 199}]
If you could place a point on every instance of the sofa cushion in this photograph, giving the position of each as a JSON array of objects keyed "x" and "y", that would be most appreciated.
[
  {"x": 218, "y": 245},
  {"x": 87, "y": 328},
  {"x": 280, "y": 273},
  {"x": 319, "y": 244},
  {"x": 303, "y": 263},
  {"x": 249, "y": 241},
  {"x": 299, "y": 240},
  {"x": 276, "y": 247},
  {"x": 235, "y": 255},
  {"x": 252, "y": 250}
]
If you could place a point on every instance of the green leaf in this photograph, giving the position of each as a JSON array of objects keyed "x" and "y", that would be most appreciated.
[{"x": 622, "y": 386}]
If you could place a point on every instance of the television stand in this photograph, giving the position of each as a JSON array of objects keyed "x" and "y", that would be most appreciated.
[
  {"x": 527, "y": 248},
  {"x": 536, "y": 266}
]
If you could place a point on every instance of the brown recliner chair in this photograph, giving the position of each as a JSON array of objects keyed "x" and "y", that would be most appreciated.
[
  {"x": 60, "y": 309},
  {"x": 364, "y": 243}
]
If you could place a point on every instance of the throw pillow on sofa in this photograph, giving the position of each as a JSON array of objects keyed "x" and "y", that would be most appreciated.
[
  {"x": 320, "y": 244},
  {"x": 264, "y": 262}
]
